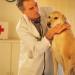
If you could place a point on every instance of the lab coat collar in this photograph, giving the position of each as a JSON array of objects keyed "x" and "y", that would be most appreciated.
[{"x": 31, "y": 26}]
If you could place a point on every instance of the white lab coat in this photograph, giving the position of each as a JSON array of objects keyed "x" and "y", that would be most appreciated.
[{"x": 31, "y": 61}]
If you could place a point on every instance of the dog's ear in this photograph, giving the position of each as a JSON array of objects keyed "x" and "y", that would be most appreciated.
[{"x": 64, "y": 18}]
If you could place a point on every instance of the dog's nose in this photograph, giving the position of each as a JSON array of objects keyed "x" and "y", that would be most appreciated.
[
  {"x": 49, "y": 24},
  {"x": 72, "y": 71}
]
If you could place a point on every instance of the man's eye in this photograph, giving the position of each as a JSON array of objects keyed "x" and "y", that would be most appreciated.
[
  {"x": 55, "y": 17},
  {"x": 49, "y": 17}
]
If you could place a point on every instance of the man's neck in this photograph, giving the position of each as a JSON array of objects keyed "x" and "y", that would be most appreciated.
[{"x": 36, "y": 21}]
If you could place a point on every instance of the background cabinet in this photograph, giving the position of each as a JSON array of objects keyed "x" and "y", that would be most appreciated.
[
  {"x": 5, "y": 55},
  {"x": 9, "y": 53},
  {"x": 15, "y": 55}
]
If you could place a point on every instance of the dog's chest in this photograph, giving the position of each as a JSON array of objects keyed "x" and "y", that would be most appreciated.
[
  {"x": 58, "y": 55},
  {"x": 57, "y": 46}
]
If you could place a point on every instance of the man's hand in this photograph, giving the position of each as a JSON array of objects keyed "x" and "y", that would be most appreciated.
[{"x": 56, "y": 30}]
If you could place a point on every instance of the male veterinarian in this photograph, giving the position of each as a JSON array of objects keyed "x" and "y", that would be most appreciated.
[{"x": 34, "y": 54}]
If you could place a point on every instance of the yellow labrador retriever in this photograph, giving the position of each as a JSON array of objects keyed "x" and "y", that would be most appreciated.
[{"x": 63, "y": 45}]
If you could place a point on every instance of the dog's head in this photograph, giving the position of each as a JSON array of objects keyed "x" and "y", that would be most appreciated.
[{"x": 55, "y": 18}]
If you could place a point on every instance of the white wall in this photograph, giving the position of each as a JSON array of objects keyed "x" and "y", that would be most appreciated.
[{"x": 10, "y": 13}]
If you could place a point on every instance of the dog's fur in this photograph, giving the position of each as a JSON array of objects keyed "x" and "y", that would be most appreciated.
[{"x": 63, "y": 45}]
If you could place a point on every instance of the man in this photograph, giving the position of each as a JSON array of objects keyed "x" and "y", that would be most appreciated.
[{"x": 34, "y": 41}]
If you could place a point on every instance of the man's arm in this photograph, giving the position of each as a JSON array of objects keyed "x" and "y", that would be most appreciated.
[
  {"x": 56, "y": 30},
  {"x": 32, "y": 46}
]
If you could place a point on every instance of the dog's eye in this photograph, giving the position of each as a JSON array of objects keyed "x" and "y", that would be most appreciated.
[
  {"x": 49, "y": 17},
  {"x": 55, "y": 17}
]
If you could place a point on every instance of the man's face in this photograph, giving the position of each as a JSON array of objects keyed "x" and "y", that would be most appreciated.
[{"x": 31, "y": 9}]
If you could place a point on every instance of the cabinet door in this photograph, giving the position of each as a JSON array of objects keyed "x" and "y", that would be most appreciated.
[
  {"x": 15, "y": 56},
  {"x": 5, "y": 58}
]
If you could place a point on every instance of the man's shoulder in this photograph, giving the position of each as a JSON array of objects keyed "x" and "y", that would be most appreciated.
[
  {"x": 45, "y": 10},
  {"x": 21, "y": 22}
]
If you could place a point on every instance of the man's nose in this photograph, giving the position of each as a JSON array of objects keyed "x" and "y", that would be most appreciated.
[{"x": 36, "y": 9}]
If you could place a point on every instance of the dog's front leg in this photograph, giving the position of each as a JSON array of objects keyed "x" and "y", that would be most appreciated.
[
  {"x": 55, "y": 63},
  {"x": 55, "y": 68}
]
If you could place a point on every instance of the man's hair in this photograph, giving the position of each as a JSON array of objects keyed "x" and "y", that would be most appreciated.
[{"x": 20, "y": 4}]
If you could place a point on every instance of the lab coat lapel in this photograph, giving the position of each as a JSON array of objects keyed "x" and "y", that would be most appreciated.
[{"x": 31, "y": 28}]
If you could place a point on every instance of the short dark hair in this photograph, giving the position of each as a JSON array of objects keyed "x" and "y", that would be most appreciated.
[{"x": 20, "y": 4}]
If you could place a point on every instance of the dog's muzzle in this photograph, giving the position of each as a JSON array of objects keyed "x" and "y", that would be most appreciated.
[{"x": 49, "y": 24}]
